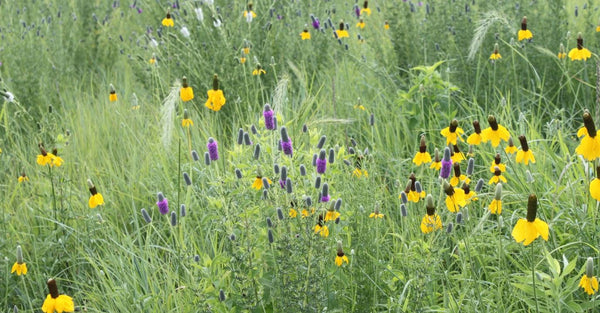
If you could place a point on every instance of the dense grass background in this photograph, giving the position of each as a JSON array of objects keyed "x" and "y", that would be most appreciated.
[{"x": 430, "y": 67}]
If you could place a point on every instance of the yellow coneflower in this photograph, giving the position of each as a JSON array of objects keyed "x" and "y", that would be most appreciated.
[
  {"x": 20, "y": 268},
  {"x": 258, "y": 183},
  {"x": 470, "y": 195},
  {"x": 23, "y": 177},
  {"x": 431, "y": 221},
  {"x": 595, "y": 185},
  {"x": 360, "y": 24},
  {"x": 561, "y": 52},
  {"x": 386, "y": 25},
  {"x": 152, "y": 60},
  {"x": 331, "y": 214},
  {"x": 44, "y": 158},
  {"x": 186, "y": 93},
  {"x": 457, "y": 156},
  {"x": 437, "y": 162},
  {"x": 305, "y": 35},
  {"x": 258, "y": 70},
  {"x": 524, "y": 33},
  {"x": 216, "y": 99},
  {"x": 306, "y": 213},
  {"x": 342, "y": 33},
  {"x": 186, "y": 122},
  {"x": 455, "y": 198},
  {"x": 475, "y": 138},
  {"x": 422, "y": 157},
  {"x": 320, "y": 228},
  {"x": 496, "y": 204},
  {"x": 168, "y": 21},
  {"x": 96, "y": 198},
  {"x": 497, "y": 178},
  {"x": 579, "y": 53},
  {"x": 376, "y": 214},
  {"x": 452, "y": 133},
  {"x": 497, "y": 163},
  {"x": 496, "y": 54},
  {"x": 365, "y": 8},
  {"x": 458, "y": 176},
  {"x": 293, "y": 213},
  {"x": 56, "y": 160},
  {"x": 524, "y": 155},
  {"x": 249, "y": 11},
  {"x": 340, "y": 257},
  {"x": 589, "y": 147},
  {"x": 411, "y": 191},
  {"x": 495, "y": 133},
  {"x": 57, "y": 302},
  {"x": 510, "y": 148},
  {"x": 527, "y": 230},
  {"x": 112, "y": 97},
  {"x": 588, "y": 281}
]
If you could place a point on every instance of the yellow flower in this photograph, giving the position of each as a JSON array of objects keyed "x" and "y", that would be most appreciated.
[
  {"x": 376, "y": 214},
  {"x": 360, "y": 24},
  {"x": 475, "y": 138},
  {"x": 186, "y": 122},
  {"x": 436, "y": 165},
  {"x": 414, "y": 196},
  {"x": 386, "y": 25},
  {"x": 496, "y": 179},
  {"x": 422, "y": 157},
  {"x": 495, "y": 132},
  {"x": 186, "y": 92},
  {"x": 305, "y": 35},
  {"x": 96, "y": 200},
  {"x": 496, "y": 207},
  {"x": 322, "y": 230},
  {"x": 57, "y": 302},
  {"x": 242, "y": 60},
  {"x": 455, "y": 198},
  {"x": 452, "y": 133},
  {"x": 527, "y": 230},
  {"x": 56, "y": 160},
  {"x": 340, "y": 258},
  {"x": 245, "y": 14},
  {"x": 430, "y": 223},
  {"x": 168, "y": 21},
  {"x": 258, "y": 71},
  {"x": 258, "y": 183},
  {"x": 510, "y": 148},
  {"x": 524, "y": 155},
  {"x": 579, "y": 53},
  {"x": 524, "y": 33},
  {"x": 341, "y": 33},
  {"x": 457, "y": 156},
  {"x": 216, "y": 99},
  {"x": 495, "y": 55},
  {"x": 293, "y": 213},
  {"x": 595, "y": 185},
  {"x": 589, "y": 284},
  {"x": 358, "y": 173},
  {"x": 44, "y": 158},
  {"x": 598, "y": 28},
  {"x": 561, "y": 55},
  {"x": 246, "y": 50},
  {"x": 365, "y": 9},
  {"x": 23, "y": 178},
  {"x": 470, "y": 195},
  {"x": 331, "y": 215},
  {"x": 305, "y": 213},
  {"x": 19, "y": 268},
  {"x": 458, "y": 176},
  {"x": 497, "y": 164},
  {"x": 589, "y": 147},
  {"x": 112, "y": 97}
]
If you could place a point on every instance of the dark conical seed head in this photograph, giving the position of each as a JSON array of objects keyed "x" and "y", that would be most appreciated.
[
  {"x": 492, "y": 122},
  {"x": 477, "y": 127},
  {"x": 532, "y": 206},
  {"x": 453, "y": 126},
  {"x": 588, "y": 122},
  {"x": 524, "y": 145},
  {"x": 52, "y": 288}
]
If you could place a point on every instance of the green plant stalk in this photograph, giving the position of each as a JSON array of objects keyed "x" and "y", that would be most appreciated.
[{"x": 537, "y": 309}]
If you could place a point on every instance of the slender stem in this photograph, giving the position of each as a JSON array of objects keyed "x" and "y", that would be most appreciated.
[
  {"x": 53, "y": 197},
  {"x": 537, "y": 309}
]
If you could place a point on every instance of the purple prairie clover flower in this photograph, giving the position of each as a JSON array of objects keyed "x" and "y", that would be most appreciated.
[
  {"x": 213, "y": 149},
  {"x": 357, "y": 10},
  {"x": 315, "y": 22},
  {"x": 286, "y": 142},
  {"x": 325, "y": 193},
  {"x": 163, "y": 204},
  {"x": 268, "y": 115},
  {"x": 322, "y": 162},
  {"x": 282, "y": 184},
  {"x": 446, "y": 164}
]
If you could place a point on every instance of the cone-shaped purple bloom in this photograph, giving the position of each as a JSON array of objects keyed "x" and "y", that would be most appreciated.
[
  {"x": 213, "y": 149},
  {"x": 446, "y": 164},
  {"x": 322, "y": 162},
  {"x": 315, "y": 22},
  {"x": 286, "y": 142},
  {"x": 163, "y": 204},
  {"x": 268, "y": 115}
]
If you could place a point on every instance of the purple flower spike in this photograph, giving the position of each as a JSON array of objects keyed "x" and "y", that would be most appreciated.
[
  {"x": 282, "y": 184},
  {"x": 321, "y": 162},
  {"x": 286, "y": 142},
  {"x": 163, "y": 204},
  {"x": 446, "y": 164},
  {"x": 213, "y": 149},
  {"x": 315, "y": 22},
  {"x": 325, "y": 198},
  {"x": 268, "y": 115},
  {"x": 357, "y": 10}
]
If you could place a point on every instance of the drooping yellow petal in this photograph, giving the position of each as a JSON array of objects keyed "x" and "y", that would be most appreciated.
[
  {"x": 542, "y": 228},
  {"x": 430, "y": 223},
  {"x": 595, "y": 189},
  {"x": 474, "y": 139},
  {"x": 422, "y": 158},
  {"x": 496, "y": 207},
  {"x": 524, "y": 34},
  {"x": 589, "y": 147}
]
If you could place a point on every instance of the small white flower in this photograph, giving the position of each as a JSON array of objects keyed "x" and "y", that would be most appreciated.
[
  {"x": 153, "y": 43},
  {"x": 199, "y": 14},
  {"x": 185, "y": 32},
  {"x": 217, "y": 22}
]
